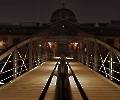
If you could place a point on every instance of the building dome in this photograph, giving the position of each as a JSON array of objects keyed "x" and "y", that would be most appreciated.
[{"x": 63, "y": 13}]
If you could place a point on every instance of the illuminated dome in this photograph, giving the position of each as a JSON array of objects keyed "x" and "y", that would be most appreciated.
[{"x": 63, "y": 13}]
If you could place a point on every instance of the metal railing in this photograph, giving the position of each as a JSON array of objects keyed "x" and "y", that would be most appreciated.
[
  {"x": 21, "y": 58},
  {"x": 42, "y": 96},
  {"x": 80, "y": 88},
  {"x": 101, "y": 57}
]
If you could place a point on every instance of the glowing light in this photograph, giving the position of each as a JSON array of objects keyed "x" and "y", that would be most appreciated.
[
  {"x": 6, "y": 62},
  {"x": 57, "y": 57},
  {"x": 63, "y": 26},
  {"x": 110, "y": 76},
  {"x": 22, "y": 61},
  {"x": 1, "y": 83},
  {"x": 76, "y": 43},
  {"x": 69, "y": 58}
]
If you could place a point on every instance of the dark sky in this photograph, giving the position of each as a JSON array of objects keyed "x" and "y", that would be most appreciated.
[{"x": 86, "y": 11}]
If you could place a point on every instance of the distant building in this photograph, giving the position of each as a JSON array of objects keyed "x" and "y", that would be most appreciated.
[{"x": 63, "y": 22}]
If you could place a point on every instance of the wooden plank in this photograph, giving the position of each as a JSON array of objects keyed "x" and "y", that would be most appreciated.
[
  {"x": 75, "y": 92},
  {"x": 51, "y": 90},
  {"x": 30, "y": 85},
  {"x": 95, "y": 85}
]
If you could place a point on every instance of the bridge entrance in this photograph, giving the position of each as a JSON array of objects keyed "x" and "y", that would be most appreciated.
[
  {"x": 57, "y": 48},
  {"x": 62, "y": 49},
  {"x": 67, "y": 45}
]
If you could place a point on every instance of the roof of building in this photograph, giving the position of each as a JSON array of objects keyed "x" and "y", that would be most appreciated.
[{"x": 63, "y": 13}]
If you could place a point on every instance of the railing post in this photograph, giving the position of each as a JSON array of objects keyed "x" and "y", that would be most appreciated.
[
  {"x": 0, "y": 75},
  {"x": 87, "y": 53},
  {"x": 111, "y": 73},
  {"x": 43, "y": 58},
  {"x": 95, "y": 67},
  {"x": 38, "y": 56},
  {"x": 15, "y": 63},
  {"x": 78, "y": 52},
  {"x": 1, "y": 83},
  {"x": 38, "y": 52},
  {"x": 30, "y": 54},
  {"x": 79, "y": 56},
  {"x": 82, "y": 55},
  {"x": 46, "y": 56}
]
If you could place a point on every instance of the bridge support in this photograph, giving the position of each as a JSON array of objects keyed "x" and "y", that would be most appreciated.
[
  {"x": 87, "y": 53},
  {"x": 95, "y": 66},
  {"x": 46, "y": 56},
  {"x": 15, "y": 63},
  {"x": 30, "y": 55},
  {"x": 82, "y": 55},
  {"x": 111, "y": 73},
  {"x": 42, "y": 58},
  {"x": 39, "y": 50}
]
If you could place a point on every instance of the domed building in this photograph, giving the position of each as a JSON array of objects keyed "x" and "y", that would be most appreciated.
[
  {"x": 63, "y": 23},
  {"x": 63, "y": 13}
]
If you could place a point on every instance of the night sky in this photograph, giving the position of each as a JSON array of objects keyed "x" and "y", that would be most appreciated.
[{"x": 86, "y": 11}]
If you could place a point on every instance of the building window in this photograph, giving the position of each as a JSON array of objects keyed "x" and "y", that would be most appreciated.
[
  {"x": 16, "y": 40},
  {"x": 5, "y": 39},
  {"x": 5, "y": 46}
]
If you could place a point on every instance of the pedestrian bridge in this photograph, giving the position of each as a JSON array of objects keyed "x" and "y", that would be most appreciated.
[
  {"x": 94, "y": 71},
  {"x": 30, "y": 85}
]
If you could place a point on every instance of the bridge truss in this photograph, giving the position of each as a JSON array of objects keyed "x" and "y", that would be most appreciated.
[{"x": 94, "y": 53}]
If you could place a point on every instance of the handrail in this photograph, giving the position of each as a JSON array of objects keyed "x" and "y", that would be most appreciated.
[
  {"x": 115, "y": 50},
  {"x": 63, "y": 88},
  {"x": 12, "y": 48},
  {"x": 83, "y": 94},
  {"x": 42, "y": 96}
]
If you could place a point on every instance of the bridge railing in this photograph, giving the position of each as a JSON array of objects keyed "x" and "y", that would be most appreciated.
[
  {"x": 43, "y": 94},
  {"x": 20, "y": 58},
  {"x": 101, "y": 57},
  {"x": 80, "y": 88}
]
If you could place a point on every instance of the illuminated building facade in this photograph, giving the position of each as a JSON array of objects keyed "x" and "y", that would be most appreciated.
[{"x": 63, "y": 22}]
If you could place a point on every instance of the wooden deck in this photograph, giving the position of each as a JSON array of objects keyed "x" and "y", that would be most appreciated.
[
  {"x": 95, "y": 85},
  {"x": 30, "y": 85}
]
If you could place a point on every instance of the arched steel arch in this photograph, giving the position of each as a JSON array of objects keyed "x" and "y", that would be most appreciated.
[
  {"x": 15, "y": 62},
  {"x": 92, "y": 57},
  {"x": 12, "y": 48},
  {"x": 100, "y": 57}
]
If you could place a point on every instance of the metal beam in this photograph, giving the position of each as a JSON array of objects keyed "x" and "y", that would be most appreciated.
[
  {"x": 95, "y": 67},
  {"x": 111, "y": 73},
  {"x": 38, "y": 51},
  {"x": 82, "y": 55},
  {"x": 30, "y": 54},
  {"x": 15, "y": 63},
  {"x": 87, "y": 53}
]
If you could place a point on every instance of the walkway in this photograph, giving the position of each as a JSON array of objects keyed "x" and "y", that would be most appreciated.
[
  {"x": 95, "y": 85},
  {"x": 30, "y": 85}
]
